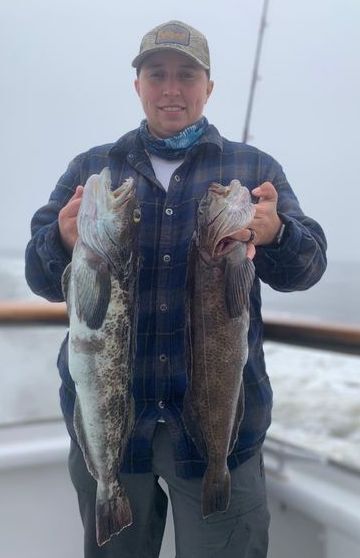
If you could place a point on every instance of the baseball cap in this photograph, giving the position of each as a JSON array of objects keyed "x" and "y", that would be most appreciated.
[{"x": 175, "y": 35}]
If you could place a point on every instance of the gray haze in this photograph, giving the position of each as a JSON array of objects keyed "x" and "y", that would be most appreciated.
[{"x": 67, "y": 84}]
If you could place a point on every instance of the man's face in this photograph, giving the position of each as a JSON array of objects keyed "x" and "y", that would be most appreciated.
[{"x": 173, "y": 91}]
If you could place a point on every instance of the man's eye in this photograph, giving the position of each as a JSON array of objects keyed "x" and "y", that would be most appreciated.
[
  {"x": 187, "y": 75},
  {"x": 156, "y": 75}
]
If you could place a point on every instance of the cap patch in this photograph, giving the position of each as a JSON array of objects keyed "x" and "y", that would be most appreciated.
[{"x": 173, "y": 34}]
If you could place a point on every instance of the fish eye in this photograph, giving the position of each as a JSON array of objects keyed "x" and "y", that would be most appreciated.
[{"x": 136, "y": 215}]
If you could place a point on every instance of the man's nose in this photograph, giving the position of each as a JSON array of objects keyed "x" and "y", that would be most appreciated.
[{"x": 171, "y": 86}]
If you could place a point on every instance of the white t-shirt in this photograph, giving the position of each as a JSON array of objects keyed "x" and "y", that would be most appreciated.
[{"x": 164, "y": 169}]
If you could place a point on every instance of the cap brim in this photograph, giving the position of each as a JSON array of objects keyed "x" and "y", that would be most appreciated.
[{"x": 139, "y": 59}]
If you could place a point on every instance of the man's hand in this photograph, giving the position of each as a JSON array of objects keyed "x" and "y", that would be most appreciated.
[
  {"x": 244, "y": 235},
  {"x": 67, "y": 219},
  {"x": 266, "y": 223}
]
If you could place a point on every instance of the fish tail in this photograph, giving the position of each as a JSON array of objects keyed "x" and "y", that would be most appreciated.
[
  {"x": 112, "y": 514},
  {"x": 216, "y": 490}
]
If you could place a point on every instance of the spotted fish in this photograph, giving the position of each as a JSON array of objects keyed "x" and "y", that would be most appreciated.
[
  {"x": 220, "y": 276},
  {"x": 100, "y": 291}
]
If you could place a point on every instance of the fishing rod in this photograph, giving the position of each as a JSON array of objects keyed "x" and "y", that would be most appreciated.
[{"x": 255, "y": 75}]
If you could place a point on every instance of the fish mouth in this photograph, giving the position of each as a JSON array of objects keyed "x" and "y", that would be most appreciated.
[
  {"x": 124, "y": 200},
  {"x": 231, "y": 212},
  {"x": 222, "y": 241},
  {"x": 125, "y": 193},
  {"x": 224, "y": 246}
]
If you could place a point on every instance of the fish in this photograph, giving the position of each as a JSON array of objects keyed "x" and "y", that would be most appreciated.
[
  {"x": 220, "y": 277},
  {"x": 100, "y": 290}
]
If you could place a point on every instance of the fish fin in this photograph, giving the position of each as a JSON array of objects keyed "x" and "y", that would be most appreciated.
[
  {"x": 81, "y": 438},
  {"x": 238, "y": 282},
  {"x": 238, "y": 417},
  {"x": 92, "y": 292},
  {"x": 216, "y": 490},
  {"x": 65, "y": 282},
  {"x": 192, "y": 425},
  {"x": 130, "y": 416},
  {"x": 191, "y": 421},
  {"x": 129, "y": 419},
  {"x": 192, "y": 253},
  {"x": 190, "y": 283},
  {"x": 112, "y": 514}
]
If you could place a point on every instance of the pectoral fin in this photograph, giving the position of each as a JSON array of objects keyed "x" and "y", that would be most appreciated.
[
  {"x": 92, "y": 292},
  {"x": 65, "y": 282},
  {"x": 239, "y": 277}
]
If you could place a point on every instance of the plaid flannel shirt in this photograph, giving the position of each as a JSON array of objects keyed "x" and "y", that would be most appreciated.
[{"x": 168, "y": 222}]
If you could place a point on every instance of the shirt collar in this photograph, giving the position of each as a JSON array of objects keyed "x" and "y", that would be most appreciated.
[{"x": 131, "y": 142}]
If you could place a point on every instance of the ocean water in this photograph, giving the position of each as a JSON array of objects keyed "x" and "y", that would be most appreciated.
[
  {"x": 316, "y": 400},
  {"x": 334, "y": 299},
  {"x": 316, "y": 393}
]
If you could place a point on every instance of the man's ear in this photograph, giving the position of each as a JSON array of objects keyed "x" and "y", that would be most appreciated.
[
  {"x": 210, "y": 87},
  {"x": 137, "y": 86}
]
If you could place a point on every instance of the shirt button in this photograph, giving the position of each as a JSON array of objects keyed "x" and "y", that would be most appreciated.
[
  {"x": 169, "y": 211},
  {"x": 163, "y": 307},
  {"x": 161, "y": 404},
  {"x": 177, "y": 178},
  {"x": 166, "y": 258},
  {"x": 163, "y": 358}
]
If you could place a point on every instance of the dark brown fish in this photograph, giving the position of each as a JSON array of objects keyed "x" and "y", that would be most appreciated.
[
  {"x": 219, "y": 281},
  {"x": 100, "y": 290}
]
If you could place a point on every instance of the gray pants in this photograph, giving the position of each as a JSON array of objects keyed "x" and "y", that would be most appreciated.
[{"x": 240, "y": 532}]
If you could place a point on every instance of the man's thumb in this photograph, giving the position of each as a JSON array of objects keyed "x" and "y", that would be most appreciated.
[
  {"x": 79, "y": 191},
  {"x": 265, "y": 191}
]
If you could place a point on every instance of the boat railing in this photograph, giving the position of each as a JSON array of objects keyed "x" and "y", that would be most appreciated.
[{"x": 328, "y": 336}]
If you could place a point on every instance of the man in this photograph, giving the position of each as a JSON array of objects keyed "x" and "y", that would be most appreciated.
[{"x": 174, "y": 156}]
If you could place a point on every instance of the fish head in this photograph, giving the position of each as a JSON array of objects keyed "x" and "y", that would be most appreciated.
[
  {"x": 223, "y": 211},
  {"x": 122, "y": 226},
  {"x": 108, "y": 219},
  {"x": 125, "y": 211},
  {"x": 101, "y": 203}
]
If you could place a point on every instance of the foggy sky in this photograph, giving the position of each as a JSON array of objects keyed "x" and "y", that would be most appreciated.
[{"x": 67, "y": 84}]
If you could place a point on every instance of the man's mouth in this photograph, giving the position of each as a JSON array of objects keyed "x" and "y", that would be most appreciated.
[{"x": 172, "y": 108}]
